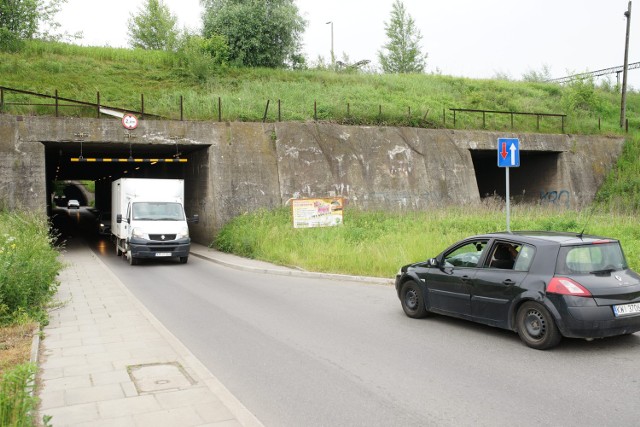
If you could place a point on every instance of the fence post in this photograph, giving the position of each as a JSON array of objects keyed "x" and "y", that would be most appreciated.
[
  {"x": 98, "y": 104},
  {"x": 1, "y": 99},
  {"x": 511, "y": 121},
  {"x": 56, "y": 102},
  {"x": 181, "y": 109},
  {"x": 142, "y": 105},
  {"x": 454, "y": 119},
  {"x": 626, "y": 125},
  {"x": 219, "y": 109},
  {"x": 348, "y": 110},
  {"x": 315, "y": 110},
  {"x": 266, "y": 109},
  {"x": 484, "y": 121},
  {"x": 444, "y": 117},
  {"x": 538, "y": 122},
  {"x": 279, "y": 111},
  {"x": 562, "y": 124}
]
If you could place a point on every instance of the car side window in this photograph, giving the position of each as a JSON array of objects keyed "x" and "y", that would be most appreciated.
[
  {"x": 505, "y": 256},
  {"x": 525, "y": 258},
  {"x": 467, "y": 255}
]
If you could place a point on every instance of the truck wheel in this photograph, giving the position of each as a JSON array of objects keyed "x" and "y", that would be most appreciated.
[
  {"x": 184, "y": 259},
  {"x": 131, "y": 259}
]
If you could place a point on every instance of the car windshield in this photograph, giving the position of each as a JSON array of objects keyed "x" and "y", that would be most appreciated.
[
  {"x": 157, "y": 211},
  {"x": 591, "y": 259}
]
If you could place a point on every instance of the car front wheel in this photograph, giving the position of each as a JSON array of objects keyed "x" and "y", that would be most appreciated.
[
  {"x": 412, "y": 300},
  {"x": 536, "y": 326}
]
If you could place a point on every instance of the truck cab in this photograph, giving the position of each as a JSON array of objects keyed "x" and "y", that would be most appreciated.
[{"x": 149, "y": 219}]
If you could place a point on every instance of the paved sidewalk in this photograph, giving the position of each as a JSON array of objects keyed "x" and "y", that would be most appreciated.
[{"x": 106, "y": 361}]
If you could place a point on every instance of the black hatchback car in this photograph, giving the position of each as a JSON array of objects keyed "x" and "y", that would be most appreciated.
[{"x": 542, "y": 285}]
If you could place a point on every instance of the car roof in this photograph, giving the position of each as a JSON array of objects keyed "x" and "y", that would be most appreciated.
[{"x": 561, "y": 238}]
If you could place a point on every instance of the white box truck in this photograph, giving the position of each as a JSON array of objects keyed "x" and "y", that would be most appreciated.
[{"x": 148, "y": 219}]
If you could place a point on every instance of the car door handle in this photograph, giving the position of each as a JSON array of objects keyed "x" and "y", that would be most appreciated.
[
  {"x": 508, "y": 282},
  {"x": 465, "y": 278}
]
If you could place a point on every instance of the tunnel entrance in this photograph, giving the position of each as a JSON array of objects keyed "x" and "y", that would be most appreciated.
[
  {"x": 84, "y": 171},
  {"x": 530, "y": 182}
]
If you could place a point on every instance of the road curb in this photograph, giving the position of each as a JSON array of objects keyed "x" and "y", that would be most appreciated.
[{"x": 298, "y": 273}]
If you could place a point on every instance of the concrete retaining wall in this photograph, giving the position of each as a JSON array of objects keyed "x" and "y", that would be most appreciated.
[{"x": 247, "y": 166}]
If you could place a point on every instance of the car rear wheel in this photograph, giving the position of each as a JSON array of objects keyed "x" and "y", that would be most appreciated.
[
  {"x": 412, "y": 300},
  {"x": 536, "y": 326}
]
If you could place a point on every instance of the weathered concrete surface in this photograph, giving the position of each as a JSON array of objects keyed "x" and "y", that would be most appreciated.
[
  {"x": 241, "y": 167},
  {"x": 22, "y": 168}
]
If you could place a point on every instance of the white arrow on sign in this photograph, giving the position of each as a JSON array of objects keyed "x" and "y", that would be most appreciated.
[{"x": 513, "y": 154}]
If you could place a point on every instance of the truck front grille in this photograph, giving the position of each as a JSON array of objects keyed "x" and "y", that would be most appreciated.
[{"x": 162, "y": 237}]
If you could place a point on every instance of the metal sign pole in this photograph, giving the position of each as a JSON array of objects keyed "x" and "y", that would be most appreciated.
[{"x": 508, "y": 203}]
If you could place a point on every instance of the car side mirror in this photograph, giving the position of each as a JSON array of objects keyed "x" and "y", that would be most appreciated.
[{"x": 433, "y": 262}]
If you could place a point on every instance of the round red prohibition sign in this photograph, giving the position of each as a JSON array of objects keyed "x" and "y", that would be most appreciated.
[{"x": 129, "y": 121}]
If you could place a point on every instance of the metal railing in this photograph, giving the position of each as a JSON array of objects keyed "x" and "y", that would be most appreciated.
[{"x": 511, "y": 113}]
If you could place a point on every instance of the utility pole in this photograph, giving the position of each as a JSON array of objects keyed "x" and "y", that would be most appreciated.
[
  {"x": 623, "y": 106},
  {"x": 333, "y": 58}
]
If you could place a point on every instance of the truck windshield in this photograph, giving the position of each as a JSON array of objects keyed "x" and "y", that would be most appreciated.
[{"x": 157, "y": 211}]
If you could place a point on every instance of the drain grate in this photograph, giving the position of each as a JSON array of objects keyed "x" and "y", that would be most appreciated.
[{"x": 155, "y": 377}]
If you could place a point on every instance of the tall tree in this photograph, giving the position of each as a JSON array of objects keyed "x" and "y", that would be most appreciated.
[
  {"x": 259, "y": 33},
  {"x": 22, "y": 19},
  {"x": 404, "y": 51},
  {"x": 154, "y": 27}
]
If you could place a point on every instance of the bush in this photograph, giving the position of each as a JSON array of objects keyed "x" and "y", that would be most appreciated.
[
  {"x": 28, "y": 267},
  {"x": 17, "y": 402}
]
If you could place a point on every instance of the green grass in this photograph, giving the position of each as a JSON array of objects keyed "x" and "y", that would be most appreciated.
[
  {"x": 121, "y": 76},
  {"x": 17, "y": 402},
  {"x": 378, "y": 243},
  {"x": 28, "y": 269}
]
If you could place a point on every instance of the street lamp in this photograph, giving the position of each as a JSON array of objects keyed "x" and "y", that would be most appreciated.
[
  {"x": 333, "y": 58},
  {"x": 623, "y": 106}
]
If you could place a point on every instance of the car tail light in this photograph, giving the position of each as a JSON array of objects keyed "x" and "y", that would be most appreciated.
[{"x": 565, "y": 286}]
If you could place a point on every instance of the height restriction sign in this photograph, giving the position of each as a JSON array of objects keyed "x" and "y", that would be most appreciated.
[{"x": 508, "y": 152}]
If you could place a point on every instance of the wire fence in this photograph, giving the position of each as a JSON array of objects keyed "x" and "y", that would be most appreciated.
[{"x": 464, "y": 118}]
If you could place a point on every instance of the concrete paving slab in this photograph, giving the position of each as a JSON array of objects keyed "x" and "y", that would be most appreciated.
[{"x": 91, "y": 373}]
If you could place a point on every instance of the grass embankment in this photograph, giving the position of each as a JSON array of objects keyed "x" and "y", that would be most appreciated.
[
  {"x": 28, "y": 268},
  {"x": 378, "y": 243},
  {"x": 122, "y": 75}
]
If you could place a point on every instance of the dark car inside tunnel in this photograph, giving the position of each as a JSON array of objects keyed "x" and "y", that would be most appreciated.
[
  {"x": 84, "y": 171},
  {"x": 528, "y": 183}
]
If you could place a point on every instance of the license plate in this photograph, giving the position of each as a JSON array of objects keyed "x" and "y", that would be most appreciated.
[
  {"x": 626, "y": 309},
  {"x": 163, "y": 253}
]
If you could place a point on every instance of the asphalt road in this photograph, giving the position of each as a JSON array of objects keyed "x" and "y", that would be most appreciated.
[{"x": 312, "y": 352}]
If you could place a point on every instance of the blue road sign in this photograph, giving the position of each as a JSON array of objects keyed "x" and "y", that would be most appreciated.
[{"x": 508, "y": 152}]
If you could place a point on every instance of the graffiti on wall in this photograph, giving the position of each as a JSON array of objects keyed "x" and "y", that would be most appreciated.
[{"x": 556, "y": 197}]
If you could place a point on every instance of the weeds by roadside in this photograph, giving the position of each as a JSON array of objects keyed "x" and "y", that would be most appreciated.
[
  {"x": 28, "y": 268},
  {"x": 378, "y": 243}
]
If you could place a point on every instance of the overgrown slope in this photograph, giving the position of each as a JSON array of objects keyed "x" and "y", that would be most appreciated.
[{"x": 122, "y": 76}]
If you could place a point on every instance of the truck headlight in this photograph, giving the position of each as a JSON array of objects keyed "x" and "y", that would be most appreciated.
[
  {"x": 139, "y": 233},
  {"x": 183, "y": 233}
]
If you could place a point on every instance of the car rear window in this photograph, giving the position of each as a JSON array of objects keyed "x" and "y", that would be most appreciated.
[{"x": 585, "y": 259}]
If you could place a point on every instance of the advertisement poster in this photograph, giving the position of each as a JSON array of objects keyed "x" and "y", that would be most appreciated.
[{"x": 324, "y": 212}]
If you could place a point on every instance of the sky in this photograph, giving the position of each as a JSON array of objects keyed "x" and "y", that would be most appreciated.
[{"x": 465, "y": 38}]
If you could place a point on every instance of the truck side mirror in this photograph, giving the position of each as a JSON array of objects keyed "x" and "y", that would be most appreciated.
[
  {"x": 119, "y": 218},
  {"x": 195, "y": 219}
]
